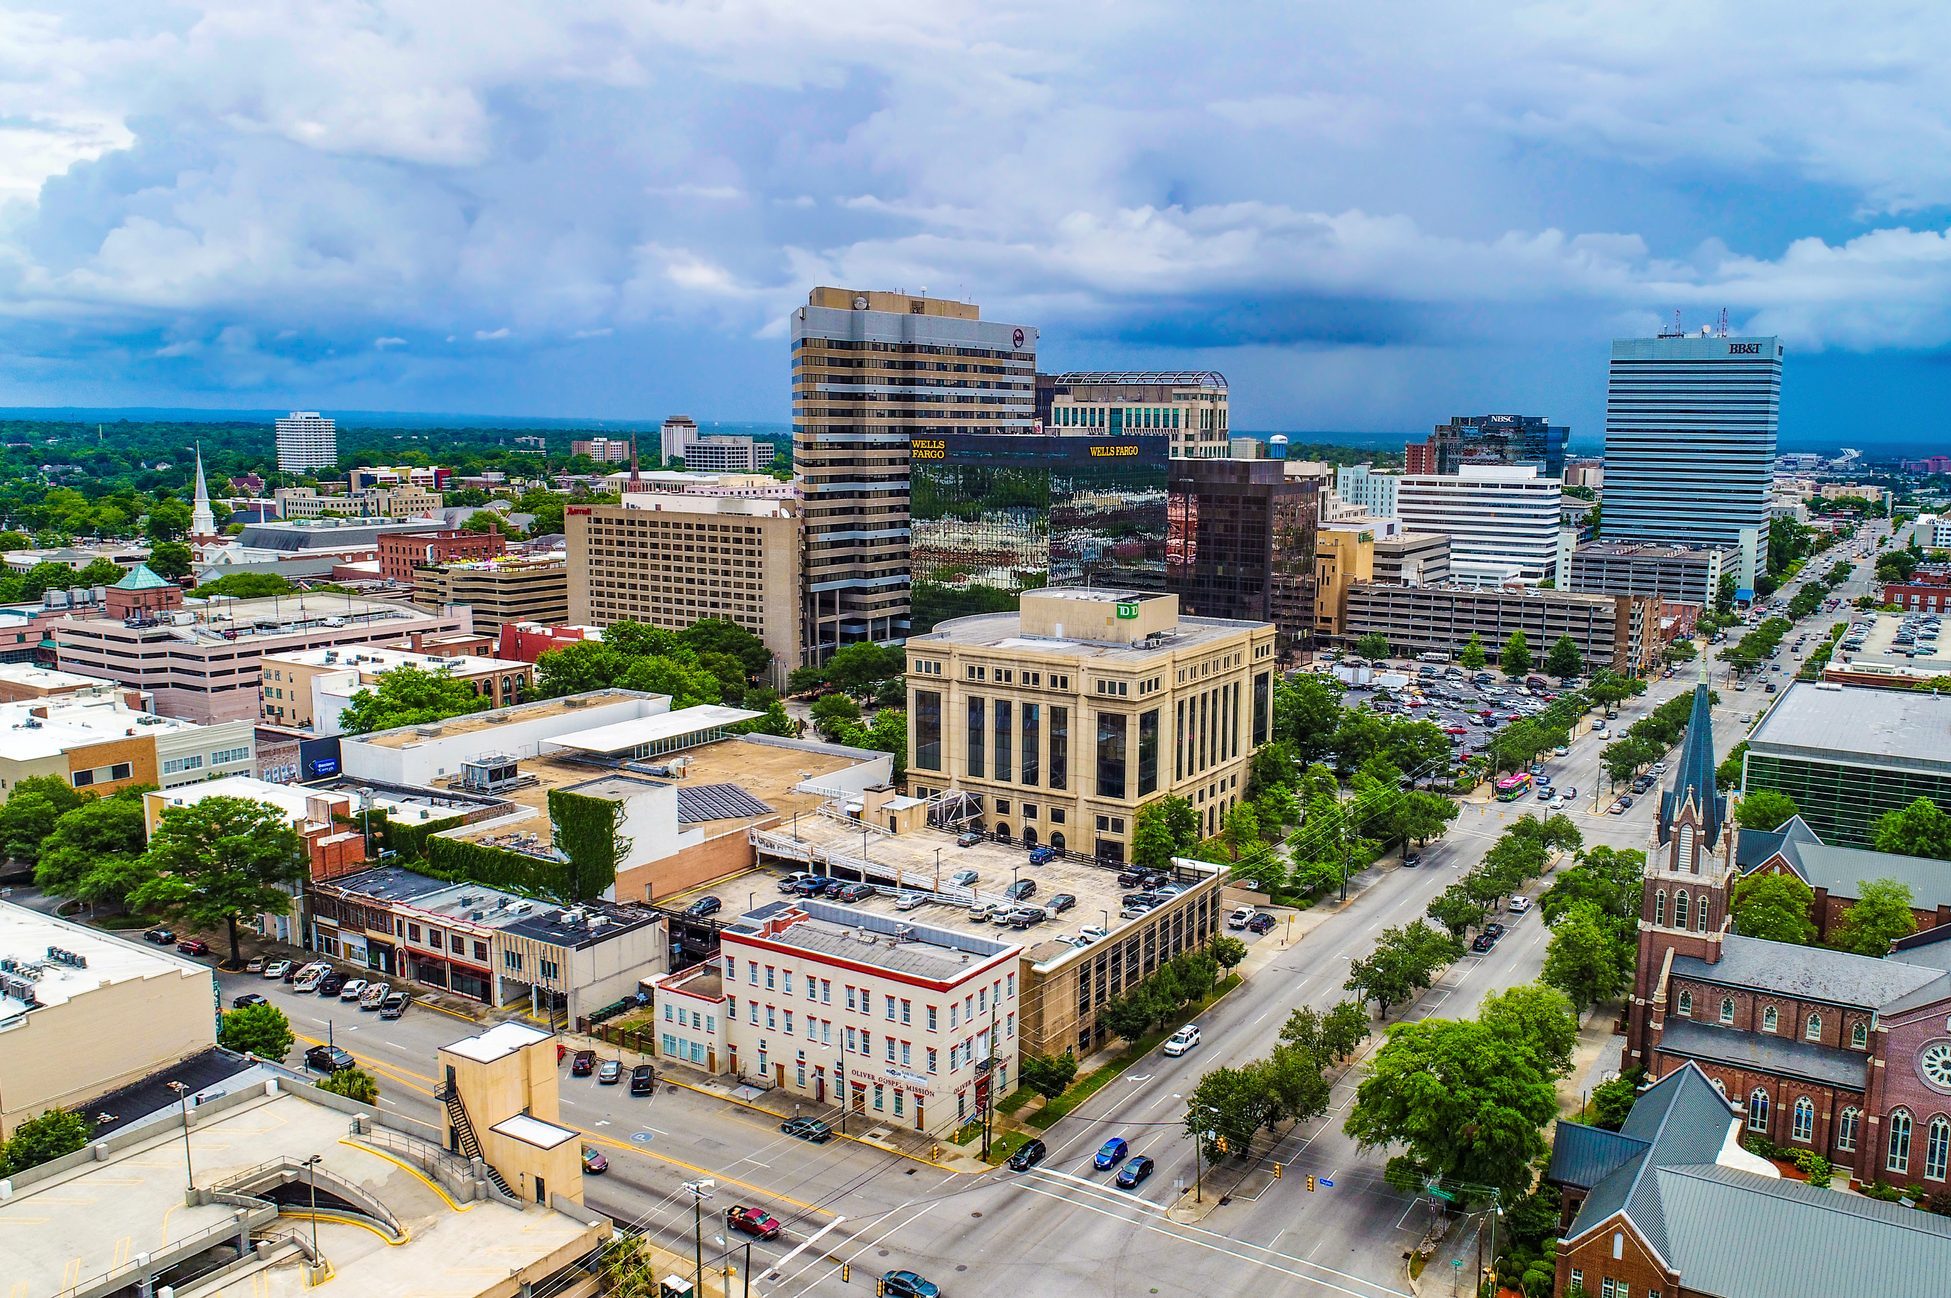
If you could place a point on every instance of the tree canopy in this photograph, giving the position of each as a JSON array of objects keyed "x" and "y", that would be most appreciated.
[
  {"x": 95, "y": 854},
  {"x": 260, "y": 1030},
  {"x": 1775, "y": 908},
  {"x": 409, "y": 695},
  {"x": 1472, "y": 656},
  {"x": 1564, "y": 660},
  {"x": 1764, "y": 809},
  {"x": 1880, "y": 916},
  {"x": 218, "y": 861},
  {"x": 1920, "y": 829},
  {"x": 1515, "y": 659},
  {"x": 30, "y": 812}
]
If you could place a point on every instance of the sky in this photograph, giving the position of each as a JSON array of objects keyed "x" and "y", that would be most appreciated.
[{"x": 1369, "y": 217}]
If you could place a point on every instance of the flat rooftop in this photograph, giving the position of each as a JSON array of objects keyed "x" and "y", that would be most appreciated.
[
  {"x": 495, "y": 908},
  {"x": 1005, "y": 631},
  {"x": 407, "y": 737},
  {"x": 1643, "y": 549},
  {"x": 75, "y": 720},
  {"x": 643, "y": 732},
  {"x": 899, "y": 945},
  {"x": 1858, "y": 724},
  {"x": 25, "y": 939},
  {"x": 47, "y": 678},
  {"x": 379, "y": 658},
  {"x": 1881, "y": 655},
  {"x": 292, "y": 798}
]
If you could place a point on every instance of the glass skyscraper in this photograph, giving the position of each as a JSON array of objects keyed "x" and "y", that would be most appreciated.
[
  {"x": 1488, "y": 440},
  {"x": 993, "y": 516},
  {"x": 1690, "y": 442}
]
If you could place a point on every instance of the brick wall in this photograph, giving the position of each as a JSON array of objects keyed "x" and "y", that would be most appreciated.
[{"x": 1613, "y": 1250}]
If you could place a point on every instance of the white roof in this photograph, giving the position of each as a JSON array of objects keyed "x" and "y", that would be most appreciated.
[
  {"x": 72, "y": 721},
  {"x": 623, "y": 736},
  {"x": 25, "y": 936},
  {"x": 378, "y": 658},
  {"x": 533, "y": 1131},
  {"x": 503, "y": 1039}
]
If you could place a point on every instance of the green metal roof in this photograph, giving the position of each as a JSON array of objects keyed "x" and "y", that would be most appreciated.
[{"x": 140, "y": 578}]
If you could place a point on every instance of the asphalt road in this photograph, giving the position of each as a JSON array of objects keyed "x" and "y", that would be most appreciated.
[{"x": 1063, "y": 1227}]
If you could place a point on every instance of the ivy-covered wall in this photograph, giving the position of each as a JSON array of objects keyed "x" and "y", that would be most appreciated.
[
  {"x": 586, "y": 831},
  {"x": 451, "y": 858}
]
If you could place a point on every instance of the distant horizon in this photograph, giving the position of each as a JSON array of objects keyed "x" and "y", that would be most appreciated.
[{"x": 1376, "y": 440}]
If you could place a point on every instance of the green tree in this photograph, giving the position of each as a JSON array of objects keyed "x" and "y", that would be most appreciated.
[
  {"x": 1472, "y": 656},
  {"x": 1537, "y": 1020},
  {"x": 1242, "y": 832},
  {"x": 1607, "y": 878},
  {"x": 1564, "y": 661},
  {"x": 1921, "y": 829},
  {"x": 1048, "y": 1075},
  {"x": 169, "y": 519},
  {"x": 776, "y": 721},
  {"x": 720, "y": 635},
  {"x": 1230, "y": 1105},
  {"x": 31, "y": 811},
  {"x": 1775, "y": 908},
  {"x": 1455, "y": 910},
  {"x": 55, "y": 1134},
  {"x": 1612, "y": 1101},
  {"x": 1183, "y": 819},
  {"x": 1728, "y": 774},
  {"x": 219, "y": 860},
  {"x": 1404, "y": 962},
  {"x": 1515, "y": 660},
  {"x": 1152, "y": 843},
  {"x": 1681, "y": 650},
  {"x": 1764, "y": 809},
  {"x": 831, "y": 711},
  {"x": 1294, "y": 1079},
  {"x": 858, "y": 668},
  {"x": 1423, "y": 816},
  {"x": 1372, "y": 645},
  {"x": 94, "y": 854},
  {"x": 1132, "y": 1015},
  {"x": 260, "y": 1030},
  {"x": 1588, "y": 958},
  {"x": 1461, "y": 1104},
  {"x": 1227, "y": 952},
  {"x": 246, "y": 585},
  {"x": 627, "y": 1269},
  {"x": 170, "y": 560},
  {"x": 1307, "y": 712},
  {"x": 410, "y": 696},
  {"x": 1881, "y": 915},
  {"x": 353, "y": 1083}
]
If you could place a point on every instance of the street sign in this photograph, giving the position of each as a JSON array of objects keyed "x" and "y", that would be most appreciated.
[
  {"x": 1444, "y": 1195},
  {"x": 1327, "y": 1184}
]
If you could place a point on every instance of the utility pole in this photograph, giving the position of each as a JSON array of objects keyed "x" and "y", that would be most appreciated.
[
  {"x": 311, "y": 1176},
  {"x": 989, "y": 1078},
  {"x": 700, "y": 1191}
]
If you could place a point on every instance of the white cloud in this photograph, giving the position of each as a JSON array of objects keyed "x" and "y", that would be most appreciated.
[
  {"x": 388, "y": 341},
  {"x": 490, "y": 335}
]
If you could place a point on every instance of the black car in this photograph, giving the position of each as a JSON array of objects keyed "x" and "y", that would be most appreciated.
[
  {"x": 328, "y": 1059},
  {"x": 1412, "y": 860},
  {"x": 582, "y": 1063},
  {"x": 1133, "y": 878},
  {"x": 247, "y": 999},
  {"x": 807, "y": 1129},
  {"x": 160, "y": 936},
  {"x": 1021, "y": 890},
  {"x": 1495, "y": 930},
  {"x": 1060, "y": 903},
  {"x": 642, "y": 1078},
  {"x": 1029, "y": 1156},
  {"x": 1482, "y": 943},
  {"x": 331, "y": 984},
  {"x": 1262, "y": 923},
  {"x": 704, "y": 906}
]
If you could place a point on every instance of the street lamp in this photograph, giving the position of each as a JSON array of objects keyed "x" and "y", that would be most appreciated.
[
  {"x": 311, "y": 1175},
  {"x": 183, "y": 1094},
  {"x": 938, "y": 869}
]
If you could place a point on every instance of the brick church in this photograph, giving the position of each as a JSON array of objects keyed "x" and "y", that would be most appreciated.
[{"x": 1847, "y": 1055}]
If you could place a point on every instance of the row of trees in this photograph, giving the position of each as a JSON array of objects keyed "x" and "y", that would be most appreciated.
[
  {"x": 1183, "y": 980},
  {"x": 1592, "y": 909},
  {"x": 1647, "y": 740},
  {"x": 1232, "y": 1105}
]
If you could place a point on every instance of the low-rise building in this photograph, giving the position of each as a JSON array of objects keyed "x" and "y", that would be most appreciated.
[
  {"x": 1344, "y": 555},
  {"x": 1837, "y": 875},
  {"x": 1373, "y": 490},
  {"x": 1672, "y": 574},
  {"x": 21, "y": 681},
  {"x": 1612, "y": 631},
  {"x": 402, "y": 500},
  {"x": 77, "y": 557},
  {"x": 1927, "y": 591},
  {"x": 1412, "y": 559},
  {"x": 513, "y": 588},
  {"x": 1887, "y": 651},
  {"x": 1060, "y": 721},
  {"x": 83, "y": 1012},
  {"x": 310, "y": 689},
  {"x": 528, "y": 641},
  {"x": 403, "y": 554},
  {"x": 1847, "y": 754},
  {"x": 93, "y": 740}
]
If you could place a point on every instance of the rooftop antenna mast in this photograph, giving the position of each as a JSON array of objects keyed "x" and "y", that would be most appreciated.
[{"x": 1723, "y": 322}]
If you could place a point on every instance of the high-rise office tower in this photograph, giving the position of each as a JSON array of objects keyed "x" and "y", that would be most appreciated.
[
  {"x": 307, "y": 440},
  {"x": 1190, "y": 405},
  {"x": 873, "y": 373},
  {"x": 1491, "y": 440},
  {"x": 1690, "y": 442}
]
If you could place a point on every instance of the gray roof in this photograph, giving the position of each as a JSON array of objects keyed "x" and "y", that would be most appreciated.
[
  {"x": 1782, "y": 1055},
  {"x": 886, "y": 942},
  {"x": 701, "y": 802},
  {"x": 1842, "y": 871},
  {"x": 1810, "y": 972},
  {"x": 1845, "y": 723},
  {"x": 1693, "y": 774},
  {"x": 1584, "y": 1156}
]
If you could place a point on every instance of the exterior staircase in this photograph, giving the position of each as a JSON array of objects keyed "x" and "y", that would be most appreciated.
[{"x": 470, "y": 1145}]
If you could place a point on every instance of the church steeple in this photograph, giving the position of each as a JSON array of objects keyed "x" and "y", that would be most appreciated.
[
  {"x": 203, "y": 522},
  {"x": 1694, "y": 777}
]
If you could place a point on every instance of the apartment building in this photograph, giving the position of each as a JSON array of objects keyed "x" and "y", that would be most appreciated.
[
  {"x": 307, "y": 440},
  {"x": 670, "y": 560},
  {"x": 1675, "y": 574},
  {"x": 1189, "y": 406},
  {"x": 604, "y": 450},
  {"x": 679, "y": 439},
  {"x": 871, "y": 373},
  {"x": 1344, "y": 555},
  {"x": 310, "y": 689},
  {"x": 403, "y": 554},
  {"x": 1063, "y": 719},
  {"x": 904, "y": 1023},
  {"x": 398, "y": 500},
  {"x": 1617, "y": 632},
  {"x": 1502, "y": 520},
  {"x": 512, "y": 588},
  {"x": 93, "y": 740},
  {"x": 1373, "y": 490}
]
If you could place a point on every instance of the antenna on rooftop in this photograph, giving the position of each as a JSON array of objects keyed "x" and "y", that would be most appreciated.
[{"x": 1723, "y": 322}]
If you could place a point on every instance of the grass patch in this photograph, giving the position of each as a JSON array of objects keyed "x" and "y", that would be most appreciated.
[
  {"x": 1015, "y": 1100},
  {"x": 1005, "y": 1144},
  {"x": 1094, "y": 1081}
]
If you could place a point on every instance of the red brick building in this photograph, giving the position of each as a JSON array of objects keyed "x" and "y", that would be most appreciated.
[
  {"x": 527, "y": 641},
  {"x": 1836, "y": 875},
  {"x": 401, "y": 552},
  {"x": 1925, "y": 592}
]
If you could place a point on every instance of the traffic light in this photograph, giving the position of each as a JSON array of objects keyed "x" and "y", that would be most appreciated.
[
  {"x": 1219, "y": 1143},
  {"x": 1276, "y": 1171},
  {"x": 1310, "y": 1183}
]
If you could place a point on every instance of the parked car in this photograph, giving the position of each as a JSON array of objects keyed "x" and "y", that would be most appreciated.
[
  {"x": 160, "y": 936},
  {"x": 254, "y": 965},
  {"x": 1519, "y": 905},
  {"x": 807, "y": 1129},
  {"x": 277, "y": 969},
  {"x": 851, "y": 892},
  {"x": 394, "y": 1005},
  {"x": 1042, "y": 855},
  {"x": 193, "y": 946},
  {"x": 1412, "y": 860},
  {"x": 964, "y": 878},
  {"x": 1134, "y": 1173},
  {"x": 1133, "y": 878},
  {"x": 1027, "y": 916},
  {"x": 704, "y": 906},
  {"x": 247, "y": 999},
  {"x": 351, "y": 989},
  {"x": 792, "y": 882},
  {"x": 756, "y": 1222},
  {"x": 909, "y": 900},
  {"x": 968, "y": 838},
  {"x": 610, "y": 1073},
  {"x": 1182, "y": 1041},
  {"x": 642, "y": 1079},
  {"x": 328, "y": 1059},
  {"x": 1021, "y": 890},
  {"x": 1060, "y": 903},
  {"x": 1111, "y": 1153},
  {"x": 309, "y": 978},
  {"x": 1261, "y": 923},
  {"x": 908, "y": 1284},
  {"x": 1028, "y": 1156},
  {"x": 593, "y": 1161},
  {"x": 1495, "y": 930},
  {"x": 582, "y": 1063},
  {"x": 331, "y": 984},
  {"x": 1482, "y": 943},
  {"x": 1238, "y": 919},
  {"x": 1561, "y": 751},
  {"x": 374, "y": 996},
  {"x": 1092, "y": 933}
]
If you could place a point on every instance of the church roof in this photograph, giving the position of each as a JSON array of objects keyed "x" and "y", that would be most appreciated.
[
  {"x": 1767, "y": 1052},
  {"x": 1843, "y": 871},
  {"x": 141, "y": 578},
  {"x": 1809, "y": 972},
  {"x": 1694, "y": 775}
]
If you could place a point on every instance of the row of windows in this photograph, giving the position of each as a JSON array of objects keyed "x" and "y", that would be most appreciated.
[{"x": 1859, "y": 1035}]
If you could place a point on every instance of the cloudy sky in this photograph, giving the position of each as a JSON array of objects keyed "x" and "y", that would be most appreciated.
[{"x": 1369, "y": 216}]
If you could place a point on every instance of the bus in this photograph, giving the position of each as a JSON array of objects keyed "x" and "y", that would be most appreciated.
[{"x": 1514, "y": 786}]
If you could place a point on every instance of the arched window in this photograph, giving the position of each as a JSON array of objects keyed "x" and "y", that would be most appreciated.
[
  {"x": 1659, "y": 908},
  {"x": 1937, "y": 1148},
  {"x": 1687, "y": 1003},
  {"x": 1057, "y": 840},
  {"x": 1029, "y": 835},
  {"x": 1859, "y": 1036},
  {"x": 1803, "y": 1124},
  {"x": 1898, "y": 1157},
  {"x": 1812, "y": 1028},
  {"x": 1700, "y": 915},
  {"x": 1680, "y": 912},
  {"x": 1727, "y": 1009},
  {"x": 1683, "y": 849},
  {"x": 1769, "y": 1019},
  {"x": 1846, "y": 1129},
  {"x": 1758, "y": 1109}
]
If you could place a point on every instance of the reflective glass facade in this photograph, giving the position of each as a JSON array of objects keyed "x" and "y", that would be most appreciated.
[
  {"x": 995, "y": 515},
  {"x": 1492, "y": 440},
  {"x": 1240, "y": 543}
]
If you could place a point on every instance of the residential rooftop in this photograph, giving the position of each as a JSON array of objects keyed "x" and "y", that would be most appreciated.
[
  {"x": 1858, "y": 725},
  {"x": 49, "y": 961}
]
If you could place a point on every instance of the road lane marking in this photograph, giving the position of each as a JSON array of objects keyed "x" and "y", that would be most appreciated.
[{"x": 802, "y": 1246}]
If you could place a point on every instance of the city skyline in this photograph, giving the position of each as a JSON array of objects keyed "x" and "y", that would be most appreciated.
[{"x": 292, "y": 210}]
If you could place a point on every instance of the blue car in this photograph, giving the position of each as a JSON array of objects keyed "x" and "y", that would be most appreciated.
[
  {"x": 1134, "y": 1172},
  {"x": 1112, "y": 1153}
]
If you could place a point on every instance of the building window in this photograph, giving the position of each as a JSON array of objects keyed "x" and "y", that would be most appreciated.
[
  {"x": 1897, "y": 1159},
  {"x": 928, "y": 730},
  {"x": 1111, "y": 728},
  {"x": 1578, "y": 1278},
  {"x": 1148, "y": 752},
  {"x": 1846, "y": 1130},
  {"x": 1032, "y": 743},
  {"x": 1659, "y": 908},
  {"x": 1727, "y": 1009},
  {"x": 1802, "y": 1124},
  {"x": 1812, "y": 1027},
  {"x": 1700, "y": 915},
  {"x": 1059, "y": 748},
  {"x": 1859, "y": 1036},
  {"x": 1937, "y": 1148},
  {"x": 1004, "y": 770},
  {"x": 974, "y": 762},
  {"x": 1758, "y": 1110},
  {"x": 1769, "y": 1019},
  {"x": 1686, "y": 1004},
  {"x": 1680, "y": 911}
]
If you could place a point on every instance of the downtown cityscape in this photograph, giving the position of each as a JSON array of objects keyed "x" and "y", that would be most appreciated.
[{"x": 567, "y": 728}]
